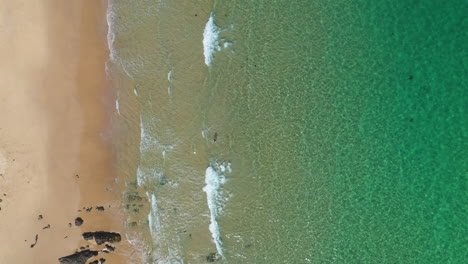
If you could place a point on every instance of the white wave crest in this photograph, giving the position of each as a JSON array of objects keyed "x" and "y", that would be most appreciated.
[
  {"x": 214, "y": 179},
  {"x": 210, "y": 40}
]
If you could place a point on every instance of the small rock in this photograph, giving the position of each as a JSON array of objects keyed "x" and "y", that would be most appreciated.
[
  {"x": 78, "y": 257},
  {"x": 69, "y": 224},
  {"x": 46, "y": 227},
  {"x": 35, "y": 241},
  {"x": 110, "y": 248},
  {"x": 39, "y": 217},
  {"x": 100, "y": 208},
  {"x": 94, "y": 262},
  {"x": 89, "y": 209},
  {"x": 102, "y": 260},
  {"x": 79, "y": 221}
]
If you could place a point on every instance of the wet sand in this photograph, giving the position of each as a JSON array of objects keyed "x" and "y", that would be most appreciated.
[{"x": 55, "y": 138}]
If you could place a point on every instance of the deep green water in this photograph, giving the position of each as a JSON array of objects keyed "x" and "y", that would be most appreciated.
[
  {"x": 345, "y": 123},
  {"x": 351, "y": 120}
]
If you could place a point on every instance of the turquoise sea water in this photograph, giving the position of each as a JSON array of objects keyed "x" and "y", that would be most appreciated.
[{"x": 344, "y": 123}]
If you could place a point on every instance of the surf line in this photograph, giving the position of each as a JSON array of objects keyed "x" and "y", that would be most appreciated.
[
  {"x": 214, "y": 178},
  {"x": 210, "y": 40}
]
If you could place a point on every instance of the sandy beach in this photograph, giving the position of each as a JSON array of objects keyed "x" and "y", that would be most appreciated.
[{"x": 56, "y": 156}]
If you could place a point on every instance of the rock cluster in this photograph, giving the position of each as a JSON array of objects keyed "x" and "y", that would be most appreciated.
[{"x": 102, "y": 237}]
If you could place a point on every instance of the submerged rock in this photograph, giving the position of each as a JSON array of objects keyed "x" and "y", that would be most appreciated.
[
  {"x": 100, "y": 208},
  {"x": 102, "y": 237},
  {"x": 78, "y": 257},
  {"x": 212, "y": 257}
]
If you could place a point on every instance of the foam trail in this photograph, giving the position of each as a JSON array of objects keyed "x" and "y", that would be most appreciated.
[
  {"x": 140, "y": 176},
  {"x": 213, "y": 180},
  {"x": 169, "y": 76},
  {"x": 210, "y": 40},
  {"x": 153, "y": 218},
  {"x": 110, "y": 16},
  {"x": 117, "y": 106}
]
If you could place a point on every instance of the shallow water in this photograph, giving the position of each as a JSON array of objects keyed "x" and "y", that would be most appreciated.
[{"x": 344, "y": 124}]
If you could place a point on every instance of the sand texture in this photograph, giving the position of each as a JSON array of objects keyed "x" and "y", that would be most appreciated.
[{"x": 55, "y": 142}]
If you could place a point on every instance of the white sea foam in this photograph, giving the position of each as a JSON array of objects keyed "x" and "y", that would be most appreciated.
[
  {"x": 153, "y": 218},
  {"x": 214, "y": 179},
  {"x": 149, "y": 143},
  {"x": 210, "y": 40},
  {"x": 110, "y": 17},
  {"x": 169, "y": 76},
  {"x": 140, "y": 177},
  {"x": 117, "y": 106},
  {"x": 135, "y": 92}
]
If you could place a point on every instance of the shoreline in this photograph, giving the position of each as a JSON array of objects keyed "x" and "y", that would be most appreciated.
[{"x": 56, "y": 153}]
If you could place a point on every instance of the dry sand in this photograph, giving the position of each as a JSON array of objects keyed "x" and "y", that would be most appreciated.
[{"x": 55, "y": 148}]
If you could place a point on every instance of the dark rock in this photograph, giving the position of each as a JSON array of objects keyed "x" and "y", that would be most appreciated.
[
  {"x": 89, "y": 209},
  {"x": 46, "y": 227},
  {"x": 35, "y": 241},
  {"x": 82, "y": 248},
  {"x": 78, "y": 257},
  {"x": 213, "y": 257},
  {"x": 79, "y": 221},
  {"x": 102, "y": 237},
  {"x": 163, "y": 180},
  {"x": 69, "y": 224},
  {"x": 94, "y": 262},
  {"x": 100, "y": 208},
  {"x": 102, "y": 260},
  {"x": 39, "y": 217},
  {"x": 110, "y": 247}
]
